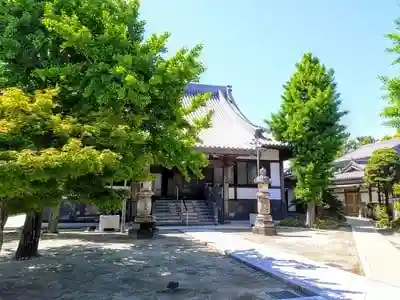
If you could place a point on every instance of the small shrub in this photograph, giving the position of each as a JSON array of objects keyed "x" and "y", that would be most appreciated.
[
  {"x": 292, "y": 222},
  {"x": 395, "y": 223},
  {"x": 328, "y": 224},
  {"x": 396, "y": 206},
  {"x": 382, "y": 216},
  {"x": 333, "y": 207}
]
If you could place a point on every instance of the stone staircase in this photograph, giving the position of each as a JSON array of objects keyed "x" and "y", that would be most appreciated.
[{"x": 169, "y": 212}]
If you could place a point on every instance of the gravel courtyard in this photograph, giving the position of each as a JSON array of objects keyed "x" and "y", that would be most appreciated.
[{"x": 89, "y": 266}]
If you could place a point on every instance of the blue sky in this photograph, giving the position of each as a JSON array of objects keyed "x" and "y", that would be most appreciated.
[{"x": 253, "y": 45}]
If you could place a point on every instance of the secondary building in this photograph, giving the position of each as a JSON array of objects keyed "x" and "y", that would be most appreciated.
[
  {"x": 348, "y": 180},
  {"x": 348, "y": 183}
]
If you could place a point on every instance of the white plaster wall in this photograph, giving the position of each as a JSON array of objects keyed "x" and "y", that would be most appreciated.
[
  {"x": 275, "y": 194},
  {"x": 250, "y": 193},
  {"x": 364, "y": 196},
  {"x": 275, "y": 174},
  {"x": 269, "y": 154},
  {"x": 231, "y": 193},
  {"x": 246, "y": 193}
]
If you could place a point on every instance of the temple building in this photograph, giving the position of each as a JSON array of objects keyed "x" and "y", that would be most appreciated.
[{"x": 227, "y": 191}]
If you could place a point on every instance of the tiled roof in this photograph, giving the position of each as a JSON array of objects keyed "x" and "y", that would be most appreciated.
[
  {"x": 352, "y": 165},
  {"x": 348, "y": 176},
  {"x": 230, "y": 129},
  {"x": 364, "y": 152}
]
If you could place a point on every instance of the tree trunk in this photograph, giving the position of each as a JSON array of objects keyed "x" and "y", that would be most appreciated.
[
  {"x": 379, "y": 195},
  {"x": 310, "y": 216},
  {"x": 30, "y": 235},
  {"x": 388, "y": 208},
  {"x": 3, "y": 221},
  {"x": 54, "y": 218}
]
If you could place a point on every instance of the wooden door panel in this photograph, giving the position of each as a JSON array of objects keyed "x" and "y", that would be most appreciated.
[{"x": 352, "y": 203}]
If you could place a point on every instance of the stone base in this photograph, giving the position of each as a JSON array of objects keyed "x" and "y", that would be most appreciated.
[
  {"x": 146, "y": 230},
  {"x": 264, "y": 225},
  {"x": 264, "y": 230}
]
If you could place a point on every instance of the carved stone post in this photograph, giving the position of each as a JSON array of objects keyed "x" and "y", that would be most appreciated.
[
  {"x": 263, "y": 224},
  {"x": 144, "y": 219}
]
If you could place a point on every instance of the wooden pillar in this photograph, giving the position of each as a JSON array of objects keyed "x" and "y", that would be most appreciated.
[{"x": 225, "y": 206}]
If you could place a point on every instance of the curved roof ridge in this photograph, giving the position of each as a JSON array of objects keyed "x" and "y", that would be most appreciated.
[
  {"x": 236, "y": 113},
  {"x": 232, "y": 101}
]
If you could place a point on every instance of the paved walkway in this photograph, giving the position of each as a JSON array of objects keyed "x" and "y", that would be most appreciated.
[
  {"x": 380, "y": 259},
  {"x": 325, "y": 281}
]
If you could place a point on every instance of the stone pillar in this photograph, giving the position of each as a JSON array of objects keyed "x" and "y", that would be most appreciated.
[
  {"x": 263, "y": 224},
  {"x": 144, "y": 219}
]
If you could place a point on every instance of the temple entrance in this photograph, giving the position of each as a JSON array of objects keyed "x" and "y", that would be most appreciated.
[{"x": 352, "y": 203}]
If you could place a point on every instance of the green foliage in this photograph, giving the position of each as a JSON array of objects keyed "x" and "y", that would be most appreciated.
[
  {"x": 328, "y": 223},
  {"x": 309, "y": 120},
  {"x": 333, "y": 207},
  {"x": 396, "y": 206},
  {"x": 396, "y": 135},
  {"x": 392, "y": 85},
  {"x": 40, "y": 151},
  {"x": 301, "y": 206},
  {"x": 382, "y": 216},
  {"x": 292, "y": 222},
  {"x": 118, "y": 93},
  {"x": 395, "y": 224},
  {"x": 383, "y": 169}
]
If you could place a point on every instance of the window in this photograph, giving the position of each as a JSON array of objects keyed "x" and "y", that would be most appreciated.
[{"x": 247, "y": 171}]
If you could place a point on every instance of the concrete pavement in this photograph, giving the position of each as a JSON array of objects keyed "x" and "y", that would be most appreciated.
[
  {"x": 380, "y": 259},
  {"x": 322, "y": 280}
]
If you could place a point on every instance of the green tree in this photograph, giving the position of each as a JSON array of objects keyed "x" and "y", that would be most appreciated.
[
  {"x": 309, "y": 120},
  {"x": 396, "y": 135},
  {"x": 366, "y": 139},
  {"x": 391, "y": 113},
  {"x": 118, "y": 85},
  {"x": 383, "y": 171},
  {"x": 39, "y": 151}
]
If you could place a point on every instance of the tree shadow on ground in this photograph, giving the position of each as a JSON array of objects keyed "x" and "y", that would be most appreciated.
[
  {"x": 281, "y": 268},
  {"x": 90, "y": 266}
]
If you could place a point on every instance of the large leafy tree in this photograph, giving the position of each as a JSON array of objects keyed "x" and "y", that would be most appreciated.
[
  {"x": 309, "y": 120},
  {"x": 383, "y": 171},
  {"x": 118, "y": 85},
  {"x": 392, "y": 111},
  {"x": 39, "y": 152}
]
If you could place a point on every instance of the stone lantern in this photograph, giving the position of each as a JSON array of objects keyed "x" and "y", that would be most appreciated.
[
  {"x": 144, "y": 218},
  {"x": 263, "y": 223}
]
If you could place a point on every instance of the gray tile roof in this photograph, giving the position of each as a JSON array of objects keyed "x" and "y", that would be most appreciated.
[
  {"x": 348, "y": 176},
  {"x": 230, "y": 129},
  {"x": 364, "y": 152}
]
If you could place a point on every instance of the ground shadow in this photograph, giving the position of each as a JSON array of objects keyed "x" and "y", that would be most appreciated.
[
  {"x": 89, "y": 266},
  {"x": 279, "y": 268}
]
